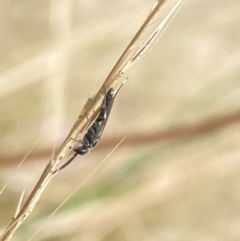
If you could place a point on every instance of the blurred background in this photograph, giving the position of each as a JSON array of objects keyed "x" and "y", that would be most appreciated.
[{"x": 177, "y": 174}]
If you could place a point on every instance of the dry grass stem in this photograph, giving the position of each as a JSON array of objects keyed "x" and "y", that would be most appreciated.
[
  {"x": 18, "y": 167},
  {"x": 77, "y": 189},
  {"x": 152, "y": 38},
  {"x": 127, "y": 59},
  {"x": 19, "y": 203}
]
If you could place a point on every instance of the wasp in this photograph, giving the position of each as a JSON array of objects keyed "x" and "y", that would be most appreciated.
[{"x": 94, "y": 133}]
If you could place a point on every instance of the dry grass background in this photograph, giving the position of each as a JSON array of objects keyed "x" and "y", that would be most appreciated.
[{"x": 55, "y": 53}]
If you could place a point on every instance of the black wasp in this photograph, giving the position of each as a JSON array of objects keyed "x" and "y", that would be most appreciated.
[{"x": 94, "y": 133}]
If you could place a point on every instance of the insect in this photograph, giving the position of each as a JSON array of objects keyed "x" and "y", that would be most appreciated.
[{"x": 94, "y": 133}]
